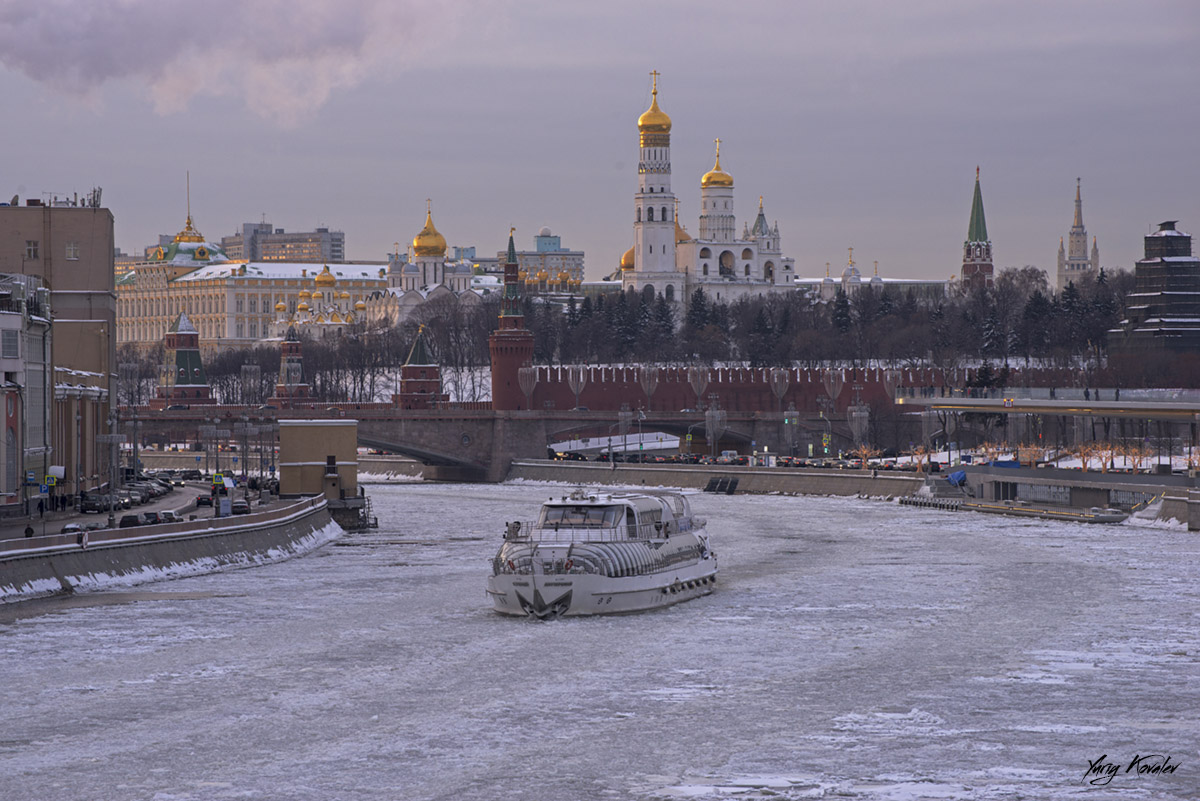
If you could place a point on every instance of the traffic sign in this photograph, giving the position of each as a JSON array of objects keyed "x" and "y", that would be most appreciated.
[
  {"x": 44, "y": 489},
  {"x": 197, "y": 460},
  {"x": 689, "y": 437},
  {"x": 51, "y": 481},
  {"x": 31, "y": 477},
  {"x": 824, "y": 439}
]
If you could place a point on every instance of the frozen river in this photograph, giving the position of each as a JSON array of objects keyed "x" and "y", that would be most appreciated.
[{"x": 853, "y": 649}]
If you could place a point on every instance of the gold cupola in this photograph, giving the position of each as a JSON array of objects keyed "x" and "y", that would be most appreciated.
[
  {"x": 627, "y": 260},
  {"x": 716, "y": 176},
  {"x": 654, "y": 125},
  {"x": 281, "y": 306},
  {"x": 429, "y": 242},
  {"x": 325, "y": 278}
]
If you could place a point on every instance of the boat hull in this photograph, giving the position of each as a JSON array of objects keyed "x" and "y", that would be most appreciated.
[{"x": 574, "y": 595}]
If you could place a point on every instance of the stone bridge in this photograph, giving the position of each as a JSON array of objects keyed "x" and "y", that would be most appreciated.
[{"x": 480, "y": 445}]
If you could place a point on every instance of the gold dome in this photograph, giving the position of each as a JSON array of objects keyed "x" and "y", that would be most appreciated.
[
  {"x": 305, "y": 294},
  {"x": 542, "y": 275},
  {"x": 681, "y": 234},
  {"x": 360, "y": 306},
  {"x": 716, "y": 176},
  {"x": 325, "y": 278},
  {"x": 280, "y": 306},
  {"x": 429, "y": 242},
  {"x": 316, "y": 295},
  {"x": 563, "y": 275},
  {"x": 344, "y": 296},
  {"x": 303, "y": 307},
  {"x": 654, "y": 119},
  {"x": 627, "y": 260},
  {"x": 523, "y": 275}
]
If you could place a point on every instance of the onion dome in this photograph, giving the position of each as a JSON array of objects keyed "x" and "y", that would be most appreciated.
[
  {"x": 716, "y": 176},
  {"x": 429, "y": 242},
  {"x": 523, "y": 275},
  {"x": 542, "y": 275},
  {"x": 325, "y": 278},
  {"x": 654, "y": 119},
  {"x": 563, "y": 275},
  {"x": 627, "y": 260},
  {"x": 303, "y": 307},
  {"x": 345, "y": 295},
  {"x": 281, "y": 306},
  {"x": 360, "y": 306},
  {"x": 305, "y": 294},
  {"x": 316, "y": 295}
]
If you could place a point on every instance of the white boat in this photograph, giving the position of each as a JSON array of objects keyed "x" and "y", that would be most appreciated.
[{"x": 602, "y": 553}]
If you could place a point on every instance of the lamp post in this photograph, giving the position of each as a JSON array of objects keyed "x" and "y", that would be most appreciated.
[
  {"x": 79, "y": 454},
  {"x": 112, "y": 440}
]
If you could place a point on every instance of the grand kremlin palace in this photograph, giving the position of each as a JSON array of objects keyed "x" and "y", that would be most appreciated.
[{"x": 236, "y": 304}]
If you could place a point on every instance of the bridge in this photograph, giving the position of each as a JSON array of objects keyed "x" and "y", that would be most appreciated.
[{"x": 480, "y": 444}]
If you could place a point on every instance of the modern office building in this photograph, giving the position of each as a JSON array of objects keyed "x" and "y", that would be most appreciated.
[
  {"x": 262, "y": 242},
  {"x": 549, "y": 262}
]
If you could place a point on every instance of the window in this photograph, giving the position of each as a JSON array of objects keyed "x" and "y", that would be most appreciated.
[
  {"x": 664, "y": 217},
  {"x": 639, "y": 215},
  {"x": 10, "y": 344},
  {"x": 253, "y": 307},
  {"x": 238, "y": 305},
  {"x": 31, "y": 248},
  {"x": 650, "y": 214},
  {"x": 73, "y": 251}
]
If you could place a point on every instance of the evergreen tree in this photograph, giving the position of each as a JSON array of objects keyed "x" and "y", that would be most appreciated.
[{"x": 841, "y": 312}]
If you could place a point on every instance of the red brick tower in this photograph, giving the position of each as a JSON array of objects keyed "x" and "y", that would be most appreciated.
[
  {"x": 977, "y": 250},
  {"x": 183, "y": 382},
  {"x": 420, "y": 378},
  {"x": 511, "y": 345},
  {"x": 291, "y": 386}
]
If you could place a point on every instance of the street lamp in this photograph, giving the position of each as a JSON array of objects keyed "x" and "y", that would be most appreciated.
[{"x": 112, "y": 440}]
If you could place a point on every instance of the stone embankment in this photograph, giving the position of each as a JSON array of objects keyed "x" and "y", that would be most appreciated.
[
  {"x": 761, "y": 480},
  {"x": 62, "y": 563}
]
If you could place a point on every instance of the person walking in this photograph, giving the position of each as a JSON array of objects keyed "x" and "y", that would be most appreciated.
[{"x": 41, "y": 508}]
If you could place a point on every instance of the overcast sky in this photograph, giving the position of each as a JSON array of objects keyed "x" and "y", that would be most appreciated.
[{"x": 859, "y": 122}]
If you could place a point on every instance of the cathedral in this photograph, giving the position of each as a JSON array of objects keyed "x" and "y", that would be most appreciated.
[
  {"x": 666, "y": 259},
  {"x": 1073, "y": 261}
]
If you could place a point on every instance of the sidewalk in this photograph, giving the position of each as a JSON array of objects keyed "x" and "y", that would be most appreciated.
[{"x": 182, "y": 501}]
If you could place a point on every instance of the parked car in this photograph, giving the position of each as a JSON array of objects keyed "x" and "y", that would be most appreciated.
[
  {"x": 72, "y": 528},
  {"x": 169, "y": 517},
  {"x": 239, "y": 506},
  {"x": 129, "y": 521},
  {"x": 204, "y": 499},
  {"x": 94, "y": 503},
  {"x": 151, "y": 518}
]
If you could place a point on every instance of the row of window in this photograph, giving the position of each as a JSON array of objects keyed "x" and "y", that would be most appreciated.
[
  {"x": 33, "y": 247},
  {"x": 664, "y": 217}
]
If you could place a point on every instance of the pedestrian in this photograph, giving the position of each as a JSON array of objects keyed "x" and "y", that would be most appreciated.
[
  {"x": 29, "y": 531},
  {"x": 41, "y": 508},
  {"x": 1117, "y": 394},
  {"x": 1087, "y": 394}
]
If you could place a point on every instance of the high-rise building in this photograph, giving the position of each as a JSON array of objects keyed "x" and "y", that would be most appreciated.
[
  {"x": 977, "y": 250},
  {"x": 28, "y": 391},
  {"x": 262, "y": 242},
  {"x": 1073, "y": 260}
]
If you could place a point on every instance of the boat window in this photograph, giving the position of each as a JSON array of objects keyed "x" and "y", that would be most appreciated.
[{"x": 580, "y": 516}]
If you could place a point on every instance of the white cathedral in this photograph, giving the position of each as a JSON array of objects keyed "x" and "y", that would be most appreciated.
[{"x": 665, "y": 258}]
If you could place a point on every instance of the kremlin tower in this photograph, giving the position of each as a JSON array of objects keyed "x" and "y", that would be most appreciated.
[
  {"x": 511, "y": 345},
  {"x": 977, "y": 250}
]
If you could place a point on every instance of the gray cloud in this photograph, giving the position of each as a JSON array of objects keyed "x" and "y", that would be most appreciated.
[{"x": 284, "y": 58}]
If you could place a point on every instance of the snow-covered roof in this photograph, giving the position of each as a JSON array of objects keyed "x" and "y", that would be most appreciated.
[{"x": 285, "y": 270}]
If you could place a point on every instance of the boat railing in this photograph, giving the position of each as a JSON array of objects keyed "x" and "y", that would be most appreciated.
[{"x": 529, "y": 530}]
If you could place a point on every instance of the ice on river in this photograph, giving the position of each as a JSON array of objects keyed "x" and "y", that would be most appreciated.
[{"x": 853, "y": 649}]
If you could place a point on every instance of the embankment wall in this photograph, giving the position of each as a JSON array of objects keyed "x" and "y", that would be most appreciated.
[{"x": 62, "y": 563}]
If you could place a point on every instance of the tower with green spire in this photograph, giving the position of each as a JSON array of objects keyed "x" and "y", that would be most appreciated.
[
  {"x": 977, "y": 267},
  {"x": 511, "y": 344}
]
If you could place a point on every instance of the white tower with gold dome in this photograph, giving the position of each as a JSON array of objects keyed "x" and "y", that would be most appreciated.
[
  {"x": 654, "y": 205},
  {"x": 717, "y": 223}
]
